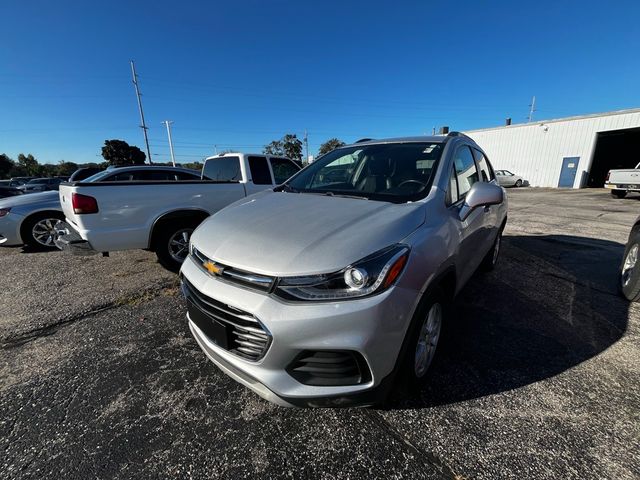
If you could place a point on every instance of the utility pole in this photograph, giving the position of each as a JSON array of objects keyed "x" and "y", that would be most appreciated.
[
  {"x": 533, "y": 108},
  {"x": 144, "y": 125},
  {"x": 306, "y": 146},
  {"x": 168, "y": 123}
]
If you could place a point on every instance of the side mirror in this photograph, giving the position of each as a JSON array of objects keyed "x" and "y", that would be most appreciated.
[{"x": 481, "y": 194}]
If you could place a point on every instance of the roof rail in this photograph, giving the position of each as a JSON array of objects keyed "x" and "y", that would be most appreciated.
[
  {"x": 456, "y": 134},
  {"x": 362, "y": 140}
]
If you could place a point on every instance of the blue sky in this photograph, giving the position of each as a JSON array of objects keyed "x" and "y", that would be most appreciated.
[{"x": 240, "y": 74}]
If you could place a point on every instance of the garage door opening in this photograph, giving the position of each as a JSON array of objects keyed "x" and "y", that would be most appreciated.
[{"x": 615, "y": 149}]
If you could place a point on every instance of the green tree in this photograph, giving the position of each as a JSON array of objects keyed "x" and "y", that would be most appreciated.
[
  {"x": 330, "y": 145},
  {"x": 119, "y": 153},
  {"x": 274, "y": 148},
  {"x": 65, "y": 169},
  {"x": 29, "y": 164},
  {"x": 289, "y": 146},
  {"x": 6, "y": 165}
]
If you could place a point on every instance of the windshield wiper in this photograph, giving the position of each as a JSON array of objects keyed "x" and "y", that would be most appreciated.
[
  {"x": 343, "y": 195},
  {"x": 285, "y": 187}
]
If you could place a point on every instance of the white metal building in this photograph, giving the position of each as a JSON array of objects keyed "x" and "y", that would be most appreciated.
[{"x": 567, "y": 152}]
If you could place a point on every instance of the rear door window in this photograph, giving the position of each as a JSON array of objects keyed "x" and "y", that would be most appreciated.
[
  {"x": 260, "y": 174},
  {"x": 283, "y": 169},
  {"x": 223, "y": 169},
  {"x": 466, "y": 171}
]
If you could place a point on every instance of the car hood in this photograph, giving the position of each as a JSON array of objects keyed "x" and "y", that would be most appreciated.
[
  {"x": 20, "y": 200},
  {"x": 277, "y": 233}
]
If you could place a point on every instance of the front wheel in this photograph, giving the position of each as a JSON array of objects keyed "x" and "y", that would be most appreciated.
[
  {"x": 518, "y": 183},
  {"x": 424, "y": 335},
  {"x": 630, "y": 271},
  {"x": 618, "y": 193},
  {"x": 172, "y": 246}
]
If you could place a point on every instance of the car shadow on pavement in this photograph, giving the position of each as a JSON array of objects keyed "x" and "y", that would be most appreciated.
[{"x": 551, "y": 303}]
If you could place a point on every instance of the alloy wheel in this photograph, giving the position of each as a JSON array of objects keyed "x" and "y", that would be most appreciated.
[
  {"x": 496, "y": 248},
  {"x": 179, "y": 244},
  {"x": 629, "y": 265},
  {"x": 428, "y": 340},
  {"x": 44, "y": 232}
]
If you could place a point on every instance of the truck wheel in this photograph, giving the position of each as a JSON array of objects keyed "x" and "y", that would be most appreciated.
[
  {"x": 619, "y": 193},
  {"x": 630, "y": 271},
  {"x": 38, "y": 230},
  {"x": 172, "y": 244},
  {"x": 424, "y": 335}
]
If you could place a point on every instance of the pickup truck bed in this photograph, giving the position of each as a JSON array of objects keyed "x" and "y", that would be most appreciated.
[
  {"x": 160, "y": 215},
  {"x": 623, "y": 181},
  {"x": 126, "y": 215}
]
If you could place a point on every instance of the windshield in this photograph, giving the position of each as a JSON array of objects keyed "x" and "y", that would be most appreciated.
[{"x": 394, "y": 172}]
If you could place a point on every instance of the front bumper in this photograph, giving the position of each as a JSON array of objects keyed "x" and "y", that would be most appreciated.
[
  {"x": 10, "y": 229},
  {"x": 70, "y": 241},
  {"x": 374, "y": 327}
]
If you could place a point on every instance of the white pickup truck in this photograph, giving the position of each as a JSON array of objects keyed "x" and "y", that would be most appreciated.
[
  {"x": 105, "y": 216},
  {"x": 621, "y": 182}
]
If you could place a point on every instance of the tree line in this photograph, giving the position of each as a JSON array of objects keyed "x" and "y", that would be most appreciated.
[
  {"x": 119, "y": 153},
  {"x": 290, "y": 146}
]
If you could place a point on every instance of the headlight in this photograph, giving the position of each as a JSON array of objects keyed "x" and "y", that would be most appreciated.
[
  {"x": 369, "y": 276},
  {"x": 4, "y": 211}
]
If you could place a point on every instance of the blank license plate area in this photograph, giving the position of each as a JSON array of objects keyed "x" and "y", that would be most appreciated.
[{"x": 213, "y": 329}]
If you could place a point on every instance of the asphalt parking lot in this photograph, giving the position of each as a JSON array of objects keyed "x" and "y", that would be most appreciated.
[{"x": 100, "y": 377}]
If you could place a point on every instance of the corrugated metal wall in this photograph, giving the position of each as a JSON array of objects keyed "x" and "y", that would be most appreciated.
[{"x": 535, "y": 150}]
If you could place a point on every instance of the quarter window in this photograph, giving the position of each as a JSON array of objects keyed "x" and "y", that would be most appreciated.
[
  {"x": 466, "y": 171},
  {"x": 259, "y": 171}
]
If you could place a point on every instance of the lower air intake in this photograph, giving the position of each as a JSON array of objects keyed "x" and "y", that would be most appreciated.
[{"x": 329, "y": 368}]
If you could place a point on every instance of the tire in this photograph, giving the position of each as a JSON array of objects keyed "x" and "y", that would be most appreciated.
[
  {"x": 618, "y": 193},
  {"x": 172, "y": 243},
  {"x": 491, "y": 258},
  {"x": 518, "y": 183},
  {"x": 37, "y": 231},
  {"x": 630, "y": 269},
  {"x": 423, "y": 342}
]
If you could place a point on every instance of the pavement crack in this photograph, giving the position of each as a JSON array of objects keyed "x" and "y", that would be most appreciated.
[{"x": 426, "y": 458}]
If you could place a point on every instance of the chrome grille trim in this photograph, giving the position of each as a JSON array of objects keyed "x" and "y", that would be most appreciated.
[
  {"x": 233, "y": 275},
  {"x": 247, "y": 337}
]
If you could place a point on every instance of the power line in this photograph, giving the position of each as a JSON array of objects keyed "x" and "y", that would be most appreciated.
[{"x": 144, "y": 125}]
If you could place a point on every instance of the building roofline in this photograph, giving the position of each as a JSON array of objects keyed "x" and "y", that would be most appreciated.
[{"x": 555, "y": 120}]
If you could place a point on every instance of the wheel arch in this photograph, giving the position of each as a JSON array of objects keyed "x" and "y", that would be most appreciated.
[
  {"x": 195, "y": 214},
  {"x": 30, "y": 215}
]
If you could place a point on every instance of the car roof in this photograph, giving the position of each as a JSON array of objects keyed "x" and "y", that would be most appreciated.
[
  {"x": 414, "y": 139},
  {"x": 150, "y": 167}
]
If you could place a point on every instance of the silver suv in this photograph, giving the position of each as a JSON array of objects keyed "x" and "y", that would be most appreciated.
[{"x": 333, "y": 288}]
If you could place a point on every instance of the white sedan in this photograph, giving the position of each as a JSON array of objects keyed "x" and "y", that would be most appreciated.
[{"x": 508, "y": 179}]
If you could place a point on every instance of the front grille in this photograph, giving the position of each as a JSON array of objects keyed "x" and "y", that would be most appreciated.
[
  {"x": 329, "y": 368},
  {"x": 240, "y": 333},
  {"x": 232, "y": 275}
]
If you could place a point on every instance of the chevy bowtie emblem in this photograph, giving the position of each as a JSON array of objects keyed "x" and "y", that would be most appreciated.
[{"x": 212, "y": 268}]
